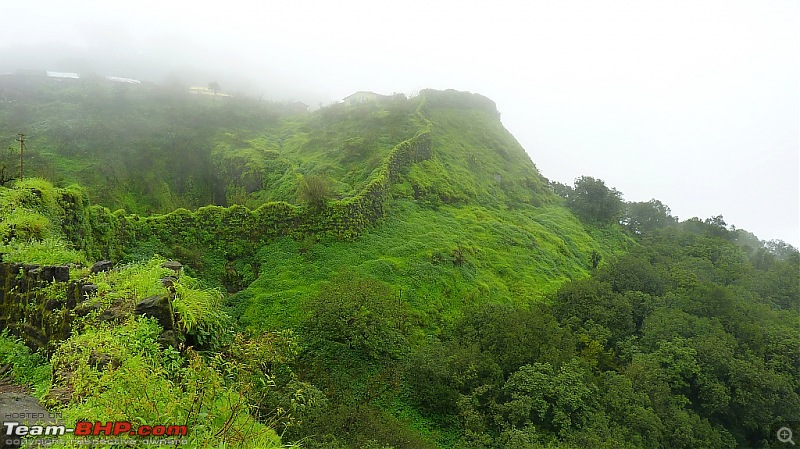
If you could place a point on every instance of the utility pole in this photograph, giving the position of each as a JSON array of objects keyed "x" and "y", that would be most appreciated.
[{"x": 21, "y": 140}]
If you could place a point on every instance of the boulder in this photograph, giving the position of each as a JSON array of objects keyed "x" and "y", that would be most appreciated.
[
  {"x": 172, "y": 265},
  {"x": 47, "y": 274},
  {"x": 88, "y": 290},
  {"x": 111, "y": 315},
  {"x": 84, "y": 308},
  {"x": 158, "y": 307},
  {"x": 52, "y": 304},
  {"x": 169, "y": 338},
  {"x": 103, "y": 265},
  {"x": 169, "y": 281},
  {"x": 61, "y": 273}
]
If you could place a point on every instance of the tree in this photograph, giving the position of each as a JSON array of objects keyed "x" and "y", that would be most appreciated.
[
  {"x": 214, "y": 86},
  {"x": 595, "y": 259},
  {"x": 515, "y": 335},
  {"x": 7, "y": 165},
  {"x": 558, "y": 400},
  {"x": 644, "y": 217},
  {"x": 5, "y": 174},
  {"x": 587, "y": 303},
  {"x": 780, "y": 249},
  {"x": 593, "y": 202},
  {"x": 562, "y": 190}
]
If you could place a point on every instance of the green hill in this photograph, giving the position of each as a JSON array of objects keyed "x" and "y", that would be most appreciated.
[{"x": 396, "y": 274}]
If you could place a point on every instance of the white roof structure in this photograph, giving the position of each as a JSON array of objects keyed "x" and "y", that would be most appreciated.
[
  {"x": 119, "y": 79},
  {"x": 70, "y": 75}
]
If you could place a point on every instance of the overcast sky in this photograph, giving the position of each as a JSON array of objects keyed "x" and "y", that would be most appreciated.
[{"x": 694, "y": 103}]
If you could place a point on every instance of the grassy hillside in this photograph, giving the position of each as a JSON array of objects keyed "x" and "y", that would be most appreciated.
[
  {"x": 393, "y": 275},
  {"x": 473, "y": 223}
]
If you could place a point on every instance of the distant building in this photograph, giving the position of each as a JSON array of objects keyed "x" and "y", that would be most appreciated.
[
  {"x": 297, "y": 107},
  {"x": 63, "y": 75},
  {"x": 362, "y": 97},
  {"x": 119, "y": 79},
  {"x": 199, "y": 90}
]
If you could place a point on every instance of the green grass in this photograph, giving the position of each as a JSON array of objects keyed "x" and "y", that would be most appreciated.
[
  {"x": 146, "y": 384},
  {"x": 30, "y": 225},
  {"x": 50, "y": 251},
  {"x": 477, "y": 160},
  {"x": 27, "y": 368},
  {"x": 518, "y": 255},
  {"x": 137, "y": 280}
]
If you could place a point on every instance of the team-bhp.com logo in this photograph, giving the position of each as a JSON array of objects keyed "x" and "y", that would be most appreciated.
[{"x": 85, "y": 428}]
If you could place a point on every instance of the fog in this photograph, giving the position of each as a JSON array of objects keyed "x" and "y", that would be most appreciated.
[{"x": 694, "y": 103}]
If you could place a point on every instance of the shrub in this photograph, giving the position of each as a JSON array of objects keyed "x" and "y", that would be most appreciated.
[{"x": 315, "y": 191}]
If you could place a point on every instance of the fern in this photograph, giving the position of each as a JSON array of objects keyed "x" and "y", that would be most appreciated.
[{"x": 200, "y": 313}]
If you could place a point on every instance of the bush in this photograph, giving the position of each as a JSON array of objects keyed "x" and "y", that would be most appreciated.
[
  {"x": 201, "y": 316},
  {"x": 360, "y": 314},
  {"x": 315, "y": 191}
]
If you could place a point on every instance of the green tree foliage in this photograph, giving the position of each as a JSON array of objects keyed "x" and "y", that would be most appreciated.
[
  {"x": 645, "y": 217},
  {"x": 780, "y": 249},
  {"x": 592, "y": 201},
  {"x": 653, "y": 351},
  {"x": 360, "y": 314},
  {"x": 9, "y": 167},
  {"x": 698, "y": 320},
  {"x": 633, "y": 272},
  {"x": 593, "y": 309},
  {"x": 515, "y": 335},
  {"x": 559, "y": 401}
]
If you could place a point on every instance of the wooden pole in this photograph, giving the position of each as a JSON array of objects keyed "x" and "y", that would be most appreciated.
[{"x": 21, "y": 139}]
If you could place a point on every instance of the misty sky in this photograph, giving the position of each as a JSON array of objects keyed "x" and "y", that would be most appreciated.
[{"x": 694, "y": 103}]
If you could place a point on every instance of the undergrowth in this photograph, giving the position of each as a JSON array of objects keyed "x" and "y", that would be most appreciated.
[{"x": 24, "y": 367}]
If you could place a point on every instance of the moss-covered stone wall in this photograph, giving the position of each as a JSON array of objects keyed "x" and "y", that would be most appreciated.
[
  {"x": 232, "y": 232},
  {"x": 36, "y": 303}
]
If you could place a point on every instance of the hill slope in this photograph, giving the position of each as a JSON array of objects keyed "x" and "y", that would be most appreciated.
[
  {"x": 399, "y": 275},
  {"x": 473, "y": 222}
]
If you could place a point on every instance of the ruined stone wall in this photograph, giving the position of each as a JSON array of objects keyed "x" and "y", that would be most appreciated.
[{"x": 37, "y": 303}]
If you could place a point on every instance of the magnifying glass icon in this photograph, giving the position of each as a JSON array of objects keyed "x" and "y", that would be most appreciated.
[{"x": 785, "y": 435}]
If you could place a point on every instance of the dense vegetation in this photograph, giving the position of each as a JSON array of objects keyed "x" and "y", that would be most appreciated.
[
  {"x": 398, "y": 275},
  {"x": 152, "y": 149}
]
